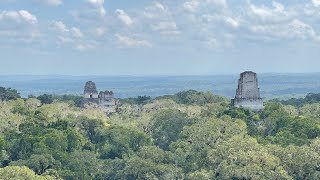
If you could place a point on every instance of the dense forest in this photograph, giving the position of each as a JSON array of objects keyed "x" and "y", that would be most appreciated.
[{"x": 189, "y": 135}]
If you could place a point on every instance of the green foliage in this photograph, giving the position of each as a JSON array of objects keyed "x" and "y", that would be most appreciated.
[
  {"x": 114, "y": 142},
  {"x": 243, "y": 158},
  {"x": 140, "y": 100},
  {"x": 21, "y": 173},
  {"x": 72, "y": 99},
  {"x": 298, "y": 102},
  {"x": 282, "y": 128},
  {"x": 2, "y": 143},
  {"x": 46, "y": 98},
  {"x": 149, "y": 162},
  {"x": 167, "y": 126},
  {"x": 192, "y": 97},
  {"x": 7, "y": 94},
  {"x": 190, "y": 135}
]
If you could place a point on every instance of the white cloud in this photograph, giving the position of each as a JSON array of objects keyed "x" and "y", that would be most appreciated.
[
  {"x": 295, "y": 30},
  {"x": 160, "y": 19},
  {"x": 71, "y": 36},
  {"x": 316, "y": 3},
  {"x": 96, "y": 3},
  {"x": 222, "y": 3},
  {"x": 191, "y": 6},
  {"x": 63, "y": 29},
  {"x": 124, "y": 41},
  {"x": 28, "y": 17},
  {"x": 99, "y": 5},
  {"x": 301, "y": 30},
  {"x": 60, "y": 26},
  {"x": 210, "y": 23},
  {"x": 98, "y": 32},
  {"x": 204, "y": 5},
  {"x": 214, "y": 19},
  {"x": 232, "y": 22},
  {"x": 51, "y": 2},
  {"x": 19, "y": 27},
  {"x": 279, "y": 23},
  {"x": 156, "y": 11},
  {"x": 124, "y": 17},
  {"x": 165, "y": 27},
  {"x": 265, "y": 14},
  {"x": 19, "y": 16},
  {"x": 85, "y": 46},
  {"x": 76, "y": 32}
]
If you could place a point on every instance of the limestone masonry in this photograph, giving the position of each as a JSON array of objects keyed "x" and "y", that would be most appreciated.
[
  {"x": 248, "y": 92},
  {"x": 104, "y": 100}
]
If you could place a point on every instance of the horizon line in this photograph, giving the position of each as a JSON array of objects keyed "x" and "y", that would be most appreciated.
[{"x": 155, "y": 75}]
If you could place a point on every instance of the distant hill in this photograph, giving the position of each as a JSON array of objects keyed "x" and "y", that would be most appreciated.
[{"x": 271, "y": 85}]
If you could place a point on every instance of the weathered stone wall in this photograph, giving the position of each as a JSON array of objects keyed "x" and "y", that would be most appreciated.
[
  {"x": 90, "y": 90},
  {"x": 253, "y": 104},
  {"x": 107, "y": 98},
  {"x": 248, "y": 92},
  {"x": 104, "y": 100},
  {"x": 248, "y": 86}
]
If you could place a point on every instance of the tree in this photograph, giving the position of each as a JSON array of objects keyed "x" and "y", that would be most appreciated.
[
  {"x": 167, "y": 126},
  {"x": 41, "y": 163},
  {"x": 46, "y": 98},
  {"x": 195, "y": 97},
  {"x": 191, "y": 149},
  {"x": 243, "y": 158},
  {"x": 21, "y": 173},
  {"x": 7, "y": 94},
  {"x": 300, "y": 162},
  {"x": 114, "y": 142},
  {"x": 149, "y": 163}
]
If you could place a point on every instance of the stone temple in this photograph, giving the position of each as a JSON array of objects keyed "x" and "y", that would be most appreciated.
[
  {"x": 248, "y": 92},
  {"x": 104, "y": 100}
]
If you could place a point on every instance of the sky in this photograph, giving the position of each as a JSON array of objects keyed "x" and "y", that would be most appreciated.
[{"x": 160, "y": 37}]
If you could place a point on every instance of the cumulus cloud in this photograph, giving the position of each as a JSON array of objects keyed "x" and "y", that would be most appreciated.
[
  {"x": 316, "y": 3},
  {"x": 63, "y": 29},
  {"x": 191, "y": 6},
  {"x": 203, "y": 6},
  {"x": 18, "y": 27},
  {"x": 279, "y": 23},
  {"x": 19, "y": 16},
  {"x": 160, "y": 19},
  {"x": 210, "y": 23},
  {"x": 294, "y": 29},
  {"x": 300, "y": 29},
  {"x": 60, "y": 26},
  {"x": 124, "y": 17},
  {"x": 232, "y": 22},
  {"x": 51, "y": 2},
  {"x": 165, "y": 27},
  {"x": 274, "y": 14},
  {"x": 124, "y": 41},
  {"x": 71, "y": 36},
  {"x": 76, "y": 32},
  {"x": 98, "y": 5},
  {"x": 99, "y": 31}
]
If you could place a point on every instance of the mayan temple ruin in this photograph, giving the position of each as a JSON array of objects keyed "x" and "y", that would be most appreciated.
[
  {"x": 248, "y": 92},
  {"x": 104, "y": 100}
]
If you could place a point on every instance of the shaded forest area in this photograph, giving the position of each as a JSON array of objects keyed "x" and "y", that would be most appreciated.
[{"x": 189, "y": 135}]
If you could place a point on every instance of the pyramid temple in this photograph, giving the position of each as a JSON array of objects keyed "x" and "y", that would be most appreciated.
[{"x": 248, "y": 92}]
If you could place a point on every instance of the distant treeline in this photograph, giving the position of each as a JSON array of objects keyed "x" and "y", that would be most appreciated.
[
  {"x": 184, "y": 97},
  {"x": 298, "y": 102}
]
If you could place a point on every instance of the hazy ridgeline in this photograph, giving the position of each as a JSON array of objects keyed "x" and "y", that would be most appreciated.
[{"x": 271, "y": 85}]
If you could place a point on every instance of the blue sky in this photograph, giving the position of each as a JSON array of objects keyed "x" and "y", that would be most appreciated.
[{"x": 161, "y": 37}]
